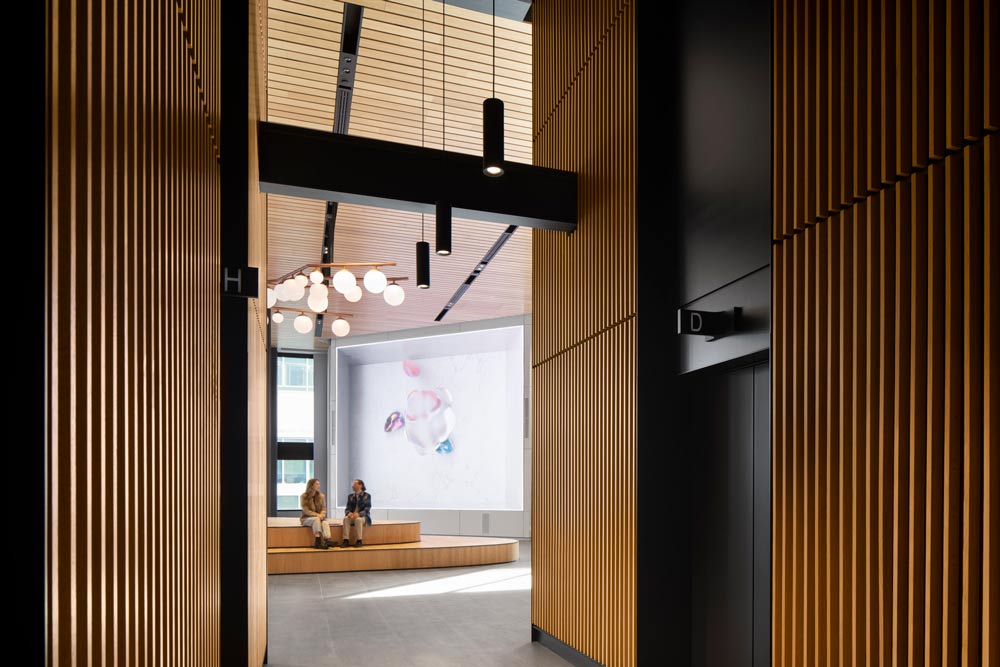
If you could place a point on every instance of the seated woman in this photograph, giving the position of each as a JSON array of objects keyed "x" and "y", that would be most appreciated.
[
  {"x": 359, "y": 505},
  {"x": 313, "y": 504}
]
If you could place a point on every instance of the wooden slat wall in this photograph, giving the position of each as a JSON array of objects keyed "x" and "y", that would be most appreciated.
[
  {"x": 584, "y": 333},
  {"x": 133, "y": 413},
  {"x": 257, "y": 343},
  {"x": 885, "y": 519}
]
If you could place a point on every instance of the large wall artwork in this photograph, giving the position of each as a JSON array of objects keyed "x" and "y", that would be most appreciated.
[{"x": 434, "y": 423}]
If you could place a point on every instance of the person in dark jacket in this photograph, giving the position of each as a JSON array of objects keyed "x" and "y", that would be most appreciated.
[{"x": 357, "y": 511}]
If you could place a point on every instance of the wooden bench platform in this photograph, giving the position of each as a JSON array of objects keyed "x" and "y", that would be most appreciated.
[
  {"x": 430, "y": 551},
  {"x": 288, "y": 532}
]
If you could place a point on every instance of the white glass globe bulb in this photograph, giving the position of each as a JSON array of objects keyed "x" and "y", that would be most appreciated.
[
  {"x": 318, "y": 303},
  {"x": 354, "y": 294},
  {"x": 375, "y": 281},
  {"x": 271, "y": 297},
  {"x": 303, "y": 324},
  {"x": 301, "y": 279},
  {"x": 319, "y": 289},
  {"x": 294, "y": 290},
  {"x": 277, "y": 317},
  {"x": 281, "y": 292},
  {"x": 340, "y": 327},
  {"x": 344, "y": 280},
  {"x": 393, "y": 295},
  {"x": 316, "y": 276}
]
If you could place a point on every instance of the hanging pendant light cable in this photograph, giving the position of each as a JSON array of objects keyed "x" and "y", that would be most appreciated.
[
  {"x": 423, "y": 57},
  {"x": 423, "y": 247},
  {"x": 444, "y": 92}
]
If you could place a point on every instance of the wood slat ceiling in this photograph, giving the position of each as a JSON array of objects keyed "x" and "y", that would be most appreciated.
[
  {"x": 368, "y": 235},
  {"x": 303, "y": 52}
]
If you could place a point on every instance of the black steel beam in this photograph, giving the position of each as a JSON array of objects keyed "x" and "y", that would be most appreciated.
[{"x": 300, "y": 162}]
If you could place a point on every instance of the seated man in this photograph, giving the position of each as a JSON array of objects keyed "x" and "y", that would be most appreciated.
[{"x": 359, "y": 505}]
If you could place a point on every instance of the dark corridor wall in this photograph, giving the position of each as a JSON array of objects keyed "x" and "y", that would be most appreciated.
[{"x": 730, "y": 458}]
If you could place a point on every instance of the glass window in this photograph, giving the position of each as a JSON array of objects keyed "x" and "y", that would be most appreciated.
[
  {"x": 295, "y": 399},
  {"x": 295, "y": 424},
  {"x": 292, "y": 476}
]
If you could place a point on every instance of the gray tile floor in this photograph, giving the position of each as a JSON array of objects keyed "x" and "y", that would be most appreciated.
[{"x": 450, "y": 616}]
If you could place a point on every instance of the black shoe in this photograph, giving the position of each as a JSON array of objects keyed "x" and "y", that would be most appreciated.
[
  {"x": 345, "y": 544},
  {"x": 324, "y": 544},
  {"x": 358, "y": 543},
  {"x": 317, "y": 543}
]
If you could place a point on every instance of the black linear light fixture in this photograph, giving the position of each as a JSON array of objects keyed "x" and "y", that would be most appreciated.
[
  {"x": 423, "y": 247},
  {"x": 493, "y": 119}
]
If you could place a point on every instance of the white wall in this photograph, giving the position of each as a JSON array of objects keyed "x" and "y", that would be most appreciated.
[{"x": 508, "y": 523}]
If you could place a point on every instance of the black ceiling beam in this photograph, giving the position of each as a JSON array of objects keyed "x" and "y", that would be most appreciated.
[{"x": 300, "y": 162}]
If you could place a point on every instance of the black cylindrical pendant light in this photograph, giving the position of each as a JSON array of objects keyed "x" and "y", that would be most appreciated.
[
  {"x": 493, "y": 137},
  {"x": 442, "y": 228},
  {"x": 493, "y": 119},
  {"x": 423, "y": 264}
]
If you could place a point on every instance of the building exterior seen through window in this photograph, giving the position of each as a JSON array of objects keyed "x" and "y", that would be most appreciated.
[{"x": 295, "y": 424}]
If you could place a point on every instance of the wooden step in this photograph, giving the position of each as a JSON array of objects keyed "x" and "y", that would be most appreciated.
[
  {"x": 430, "y": 551},
  {"x": 288, "y": 532}
]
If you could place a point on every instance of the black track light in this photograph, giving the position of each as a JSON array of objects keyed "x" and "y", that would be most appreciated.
[
  {"x": 442, "y": 228},
  {"x": 493, "y": 137},
  {"x": 423, "y": 264}
]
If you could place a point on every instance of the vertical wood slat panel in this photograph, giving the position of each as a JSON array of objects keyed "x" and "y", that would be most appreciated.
[
  {"x": 860, "y": 94},
  {"x": 972, "y": 469},
  {"x": 822, "y": 102},
  {"x": 952, "y": 441},
  {"x": 257, "y": 382},
  {"x": 867, "y": 92},
  {"x": 889, "y": 571},
  {"x": 584, "y": 342},
  {"x": 798, "y": 137},
  {"x": 935, "y": 414},
  {"x": 972, "y": 67},
  {"x": 834, "y": 133},
  {"x": 889, "y": 79},
  {"x": 919, "y": 262},
  {"x": 991, "y": 65},
  {"x": 919, "y": 105},
  {"x": 847, "y": 102},
  {"x": 991, "y": 405},
  {"x": 954, "y": 81},
  {"x": 904, "y": 160},
  {"x": 133, "y": 228},
  {"x": 873, "y": 96},
  {"x": 937, "y": 90},
  {"x": 778, "y": 124},
  {"x": 899, "y": 563}
]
